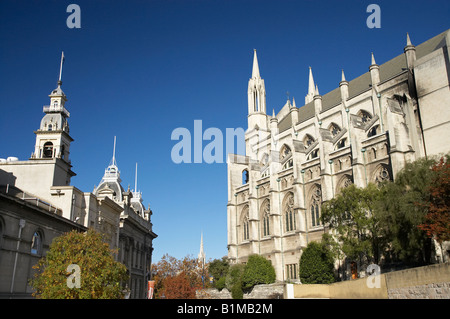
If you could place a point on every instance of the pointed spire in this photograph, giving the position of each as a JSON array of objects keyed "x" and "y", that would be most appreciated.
[
  {"x": 201, "y": 254},
  {"x": 373, "y": 60},
  {"x": 343, "y": 76},
  {"x": 316, "y": 92},
  {"x": 311, "y": 82},
  {"x": 273, "y": 112},
  {"x": 293, "y": 102},
  {"x": 408, "y": 40},
  {"x": 255, "y": 71}
]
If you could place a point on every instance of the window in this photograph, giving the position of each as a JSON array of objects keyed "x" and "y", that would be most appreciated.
[
  {"x": 244, "y": 177},
  {"x": 48, "y": 150},
  {"x": 373, "y": 131},
  {"x": 334, "y": 129},
  {"x": 289, "y": 214},
  {"x": 36, "y": 244},
  {"x": 316, "y": 200},
  {"x": 341, "y": 143},
  {"x": 365, "y": 117},
  {"x": 266, "y": 219},
  {"x": 245, "y": 224},
  {"x": 291, "y": 271},
  {"x": 50, "y": 127},
  {"x": 308, "y": 141},
  {"x": 313, "y": 154}
]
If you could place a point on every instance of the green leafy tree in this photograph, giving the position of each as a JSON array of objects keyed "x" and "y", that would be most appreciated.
[
  {"x": 100, "y": 275},
  {"x": 233, "y": 280},
  {"x": 403, "y": 208},
  {"x": 352, "y": 215},
  {"x": 218, "y": 268},
  {"x": 316, "y": 265},
  {"x": 258, "y": 270}
]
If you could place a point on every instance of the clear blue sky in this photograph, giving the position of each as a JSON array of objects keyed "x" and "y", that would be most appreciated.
[{"x": 139, "y": 69}]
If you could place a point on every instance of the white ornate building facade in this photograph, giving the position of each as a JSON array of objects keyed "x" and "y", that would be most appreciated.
[
  {"x": 45, "y": 179},
  {"x": 363, "y": 131}
]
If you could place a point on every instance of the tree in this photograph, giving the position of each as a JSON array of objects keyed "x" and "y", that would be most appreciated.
[
  {"x": 218, "y": 268},
  {"x": 233, "y": 280},
  {"x": 100, "y": 276},
  {"x": 437, "y": 219},
  {"x": 258, "y": 270},
  {"x": 403, "y": 208},
  {"x": 170, "y": 267},
  {"x": 179, "y": 287},
  {"x": 316, "y": 265},
  {"x": 352, "y": 215}
]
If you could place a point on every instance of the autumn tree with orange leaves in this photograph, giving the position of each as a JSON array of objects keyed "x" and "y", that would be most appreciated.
[
  {"x": 437, "y": 219},
  {"x": 178, "y": 278}
]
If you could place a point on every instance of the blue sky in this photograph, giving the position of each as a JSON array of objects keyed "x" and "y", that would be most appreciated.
[{"x": 140, "y": 69}]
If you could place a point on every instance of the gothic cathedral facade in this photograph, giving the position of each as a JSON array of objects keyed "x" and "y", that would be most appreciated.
[{"x": 363, "y": 131}]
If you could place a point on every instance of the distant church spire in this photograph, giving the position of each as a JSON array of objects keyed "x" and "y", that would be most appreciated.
[{"x": 201, "y": 254}]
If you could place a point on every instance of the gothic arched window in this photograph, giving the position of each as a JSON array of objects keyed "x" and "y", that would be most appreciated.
[
  {"x": 334, "y": 129},
  {"x": 316, "y": 200},
  {"x": 265, "y": 218},
  {"x": 289, "y": 214},
  {"x": 308, "y": 141},
  {"x": 365, "y": 116},
  {"x": 245, "y": 224}
]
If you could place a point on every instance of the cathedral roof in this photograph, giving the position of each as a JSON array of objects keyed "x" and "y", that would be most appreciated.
[{"x": 362, "y": 83}]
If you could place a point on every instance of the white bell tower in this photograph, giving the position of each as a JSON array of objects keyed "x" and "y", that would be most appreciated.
[{"x": 52, "y": 137}]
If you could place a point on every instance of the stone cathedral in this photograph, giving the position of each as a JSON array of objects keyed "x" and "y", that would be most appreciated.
[{"x": 363, "y": 131}]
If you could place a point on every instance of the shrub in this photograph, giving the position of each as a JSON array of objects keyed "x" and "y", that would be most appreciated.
[
  {"x": 220, "y": 283},
  {"x": 316, "y": 265},
  {"x": 258, "y": 270}
]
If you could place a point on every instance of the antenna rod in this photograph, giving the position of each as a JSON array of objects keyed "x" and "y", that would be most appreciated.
[
  {"x": 114, "y": 152},
  {"x": 135, "y": 181},
  {"x": 60, "y": 68}
]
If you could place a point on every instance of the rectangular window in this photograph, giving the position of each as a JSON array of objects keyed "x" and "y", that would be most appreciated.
[{"x": 291, "y": 271}]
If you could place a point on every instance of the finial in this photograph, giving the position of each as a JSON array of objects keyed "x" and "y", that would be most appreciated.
[
  {"x": 343, "y": 76},
  {"x": 373, "y": 60},
  {"x": 408, "y": 40},
  {"x": 60, "y": 69},
  {"x": 114, "y": 153},
  {"x": 135, "y": 180}
]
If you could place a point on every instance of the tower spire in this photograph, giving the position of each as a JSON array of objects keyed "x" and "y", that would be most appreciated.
[
  {"x": 311, "y": 88},
  {"x": 255, "y": 71},
  {"x": 201, "y": 254}
]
